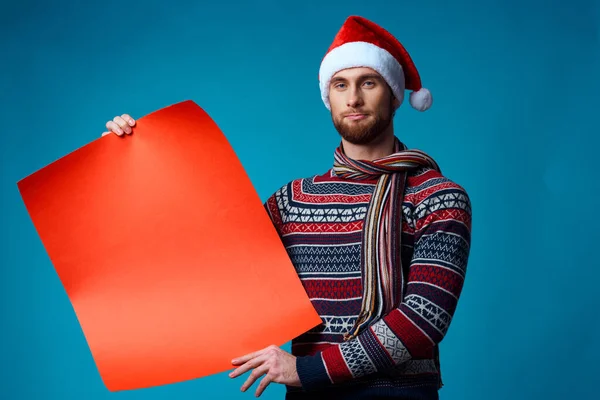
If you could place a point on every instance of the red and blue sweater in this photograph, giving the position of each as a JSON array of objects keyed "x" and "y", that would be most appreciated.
[{"x": 320, "y": 221}]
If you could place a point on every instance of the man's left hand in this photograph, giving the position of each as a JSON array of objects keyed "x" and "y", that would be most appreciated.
[{"x": 278, "y": 365}]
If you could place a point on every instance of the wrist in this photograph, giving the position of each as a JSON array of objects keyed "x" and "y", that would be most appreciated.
[{"x": 312, "y": 373}]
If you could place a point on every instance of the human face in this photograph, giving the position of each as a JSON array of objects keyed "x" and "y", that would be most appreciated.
[{"x": 362, "y": 104}]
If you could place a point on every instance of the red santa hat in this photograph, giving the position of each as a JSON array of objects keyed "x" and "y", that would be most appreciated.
[{"x": 362, "y": 43}]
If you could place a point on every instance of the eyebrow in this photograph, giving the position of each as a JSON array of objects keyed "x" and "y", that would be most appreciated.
[{"x": 360, "y": 78}]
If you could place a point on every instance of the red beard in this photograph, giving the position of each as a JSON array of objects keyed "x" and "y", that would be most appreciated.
[{"x": 363, "y": 131}]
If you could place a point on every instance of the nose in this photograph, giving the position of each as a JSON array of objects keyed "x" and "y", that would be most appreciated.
[{"x": 354, "y": 98}]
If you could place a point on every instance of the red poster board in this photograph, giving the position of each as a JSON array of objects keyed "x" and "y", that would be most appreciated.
[{"x": 164, "y": 248}]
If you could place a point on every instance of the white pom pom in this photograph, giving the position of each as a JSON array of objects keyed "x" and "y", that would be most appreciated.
[{"x": 421, "y": 99}]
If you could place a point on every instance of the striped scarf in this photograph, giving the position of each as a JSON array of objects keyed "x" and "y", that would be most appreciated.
[{"x": 382, "y": 275}]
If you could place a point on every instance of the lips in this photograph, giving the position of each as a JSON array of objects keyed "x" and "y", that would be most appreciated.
[{"x": 356, "y": 117}]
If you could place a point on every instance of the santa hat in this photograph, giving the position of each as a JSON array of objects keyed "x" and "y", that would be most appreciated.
[{"x": 362, "y": 43}]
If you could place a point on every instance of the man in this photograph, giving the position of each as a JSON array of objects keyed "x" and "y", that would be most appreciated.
[{"x": 380, "y": 241}]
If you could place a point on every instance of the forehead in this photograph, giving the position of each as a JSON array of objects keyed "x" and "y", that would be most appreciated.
[{"x": 355, "y": 73}]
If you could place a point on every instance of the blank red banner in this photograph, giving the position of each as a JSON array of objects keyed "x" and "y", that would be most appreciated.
[{"x": 165, "y": 251}]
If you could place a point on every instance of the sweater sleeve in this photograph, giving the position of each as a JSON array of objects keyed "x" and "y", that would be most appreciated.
[
  {"x": 272, "y": 207},
  {"x": 435, "y": 280}
]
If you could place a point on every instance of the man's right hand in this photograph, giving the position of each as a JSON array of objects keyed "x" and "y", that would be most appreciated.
[{"x": 120, "y": 125}]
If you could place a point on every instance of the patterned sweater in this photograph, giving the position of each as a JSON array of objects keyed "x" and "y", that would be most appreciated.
[{"x": 320, "y": 220}]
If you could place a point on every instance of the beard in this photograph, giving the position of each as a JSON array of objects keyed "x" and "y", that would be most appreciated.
[{"x": 363, "y": 131}]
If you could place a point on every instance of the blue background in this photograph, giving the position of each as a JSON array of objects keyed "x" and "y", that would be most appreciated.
[{"x": 514, "y": 121}]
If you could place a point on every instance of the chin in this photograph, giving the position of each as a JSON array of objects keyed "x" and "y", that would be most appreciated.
[
  {"x": 361, "y": 132},
  {"x": 359, "y": 138}
]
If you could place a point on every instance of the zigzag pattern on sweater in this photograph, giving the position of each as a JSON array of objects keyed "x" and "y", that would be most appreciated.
[
  {"x": 292, "y": 195},
  {"x": 325, "y": 264},
  {"x": 332, "y": 188},
  {"x": 443, "y": 249},
  {"x": 325, "y": 259},
  {"x": 333, "y": 215},
  {"x": 450, "y": 198}
]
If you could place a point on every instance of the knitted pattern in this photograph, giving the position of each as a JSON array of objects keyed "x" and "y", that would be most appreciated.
[
  {"x": 381, "y": 262},
  {"x": 320, "y": 221}
]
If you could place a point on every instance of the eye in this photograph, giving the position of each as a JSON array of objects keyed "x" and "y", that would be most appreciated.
[
  {"x": 339, "y": 85},
  {"x": 369, "y": 83}
]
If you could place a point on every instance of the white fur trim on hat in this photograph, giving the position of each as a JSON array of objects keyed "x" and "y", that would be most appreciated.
[
  {"x": 361, "y": 54},
  {"x": 421, "y": 99}
]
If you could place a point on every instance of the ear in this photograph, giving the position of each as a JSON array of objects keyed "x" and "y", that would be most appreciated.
[{"x": 395, "y": 102}]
